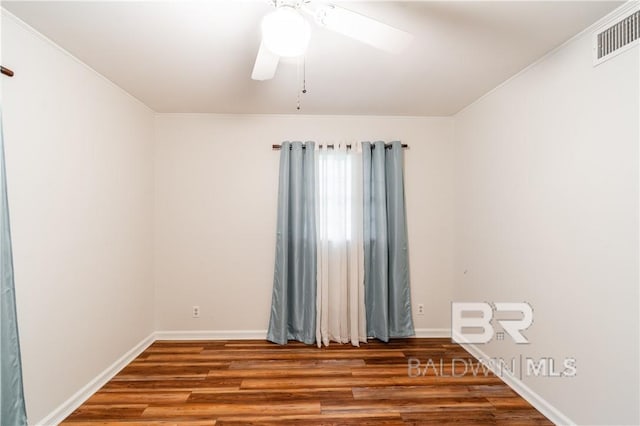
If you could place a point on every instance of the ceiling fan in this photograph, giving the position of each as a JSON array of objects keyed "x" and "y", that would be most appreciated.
[{"x": 286, "y": 32}]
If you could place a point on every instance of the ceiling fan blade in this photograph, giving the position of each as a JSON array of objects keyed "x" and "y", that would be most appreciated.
[
  {"x": 361, "y": 28},
  {"x": 266, "y": 64}
]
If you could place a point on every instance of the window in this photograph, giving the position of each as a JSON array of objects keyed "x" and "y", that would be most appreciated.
[{"x": 336, "y": 194}]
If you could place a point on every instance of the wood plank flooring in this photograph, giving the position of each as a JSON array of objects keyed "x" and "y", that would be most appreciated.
[{"x": 253, "y": 382}]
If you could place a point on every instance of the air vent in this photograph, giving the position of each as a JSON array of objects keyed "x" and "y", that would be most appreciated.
[{"x": 617, "y": 36}]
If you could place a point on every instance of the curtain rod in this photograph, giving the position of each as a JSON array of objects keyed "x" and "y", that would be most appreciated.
[
  {"x": 331, "y": 146},
  {"x": 6, "y": 71}
]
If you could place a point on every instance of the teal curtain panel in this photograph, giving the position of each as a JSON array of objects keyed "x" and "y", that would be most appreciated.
[
  {"x": 386, "y": 257},
  {"x": 12, "y": 411},
  {"x": 293, "y": 301}
]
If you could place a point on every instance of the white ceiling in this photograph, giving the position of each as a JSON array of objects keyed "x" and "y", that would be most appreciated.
[{"x": 197, "y": 56}]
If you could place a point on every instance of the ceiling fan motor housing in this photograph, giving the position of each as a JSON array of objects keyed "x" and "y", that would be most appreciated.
[{"x": 286, "y": 32}]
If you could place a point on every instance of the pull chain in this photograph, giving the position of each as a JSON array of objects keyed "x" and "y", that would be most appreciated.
[
  {"x": 304, "y": 74},
  {"x": 302, "y": 80}
]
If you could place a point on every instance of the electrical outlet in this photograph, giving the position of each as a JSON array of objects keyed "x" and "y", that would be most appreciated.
[
  {"x": 420, "y": 309},
  {"x": 195, "y": 313}
]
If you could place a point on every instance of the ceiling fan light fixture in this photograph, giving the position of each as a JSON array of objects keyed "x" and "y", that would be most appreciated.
[{"x": 285, "y": 32}]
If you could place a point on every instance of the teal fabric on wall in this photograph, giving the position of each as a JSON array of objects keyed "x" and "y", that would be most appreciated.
[
  {"x": 12, "y": 409},
  {"x": 386, "y": 256},
  {"x": 293, "y": 301}
]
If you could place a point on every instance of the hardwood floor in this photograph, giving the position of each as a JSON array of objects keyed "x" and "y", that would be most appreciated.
[{"x": 253, "y": 382}]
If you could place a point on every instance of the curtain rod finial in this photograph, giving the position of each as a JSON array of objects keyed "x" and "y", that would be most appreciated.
[{"x": 6, "y": 71}]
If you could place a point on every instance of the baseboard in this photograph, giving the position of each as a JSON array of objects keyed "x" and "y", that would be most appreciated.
[
  {"x": 211, "y": 335},
  {"x": 67, "y": 407},
  {"x": 433, "y": 332},
  {"x": 541, "y": 404},
  {"x": 262, "y": 334}
]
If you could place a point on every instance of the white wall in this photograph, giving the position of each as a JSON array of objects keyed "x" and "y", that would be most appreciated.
[
  {"x": 216, "y": 193},
  {"x": 547, "y": 212},
  {"x": 79, "y": 163}
]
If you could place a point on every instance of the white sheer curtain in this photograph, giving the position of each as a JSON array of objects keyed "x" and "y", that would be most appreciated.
[{"x": 340, "y": 281}]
